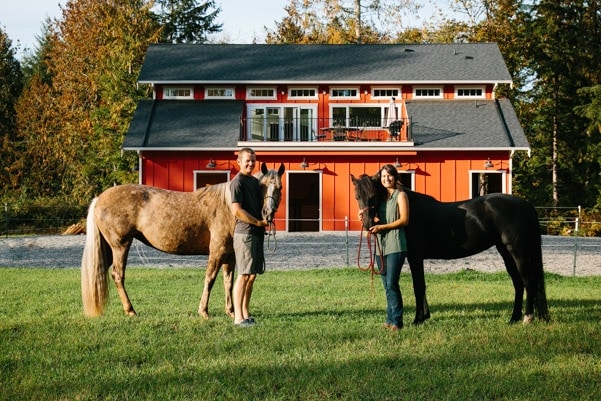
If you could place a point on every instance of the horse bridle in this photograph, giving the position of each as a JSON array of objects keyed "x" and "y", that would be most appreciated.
[{"x": 271, "y": 231}]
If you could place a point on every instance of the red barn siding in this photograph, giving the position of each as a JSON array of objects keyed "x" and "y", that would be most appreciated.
[{"x": 445, "y": 175}]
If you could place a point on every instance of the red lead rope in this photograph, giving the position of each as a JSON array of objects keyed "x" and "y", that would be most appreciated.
[{"x": 372, "y": 267}]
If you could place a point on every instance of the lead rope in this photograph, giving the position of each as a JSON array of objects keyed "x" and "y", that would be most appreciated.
[
  {"x": 271, "y": 233},
  {"x": 377, "y": 247}
]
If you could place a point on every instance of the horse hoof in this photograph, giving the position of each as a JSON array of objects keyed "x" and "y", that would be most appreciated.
[
  {"x": 528, "y": 319},
  {"x": 131, "y": 313},
  {"x": 204, "y": 314}
]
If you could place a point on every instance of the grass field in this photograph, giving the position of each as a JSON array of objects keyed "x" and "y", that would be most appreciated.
[{"x": 319, "y": 337}]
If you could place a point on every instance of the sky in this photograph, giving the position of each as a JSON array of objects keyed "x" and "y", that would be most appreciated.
[{"x": 242, "y": 20}]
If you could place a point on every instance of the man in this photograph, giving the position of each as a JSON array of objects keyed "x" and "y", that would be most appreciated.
[{"x": 249, "y": 234}]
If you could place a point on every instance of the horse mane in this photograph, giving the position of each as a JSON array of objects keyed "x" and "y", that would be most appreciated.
[{"x": 220, "y": 192}]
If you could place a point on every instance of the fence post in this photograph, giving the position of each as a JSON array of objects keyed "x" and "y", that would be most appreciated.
[
  {"x": 6, "y": 219},
  {"x": 576, "y": 224},
  {"x": 346, "y": 232}
]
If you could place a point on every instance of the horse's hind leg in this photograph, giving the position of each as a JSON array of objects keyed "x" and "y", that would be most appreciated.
[
  {"x": 422, "y": 311},
  {"x": 118, "y": 274},
  {"x": 518, "y": 283},
  {"x": 213, "y": 265}
]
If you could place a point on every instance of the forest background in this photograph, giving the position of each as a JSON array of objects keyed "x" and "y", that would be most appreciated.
[{"x": 66, "y": 105}]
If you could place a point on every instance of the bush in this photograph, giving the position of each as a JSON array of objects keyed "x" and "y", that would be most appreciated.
[{"x": 39, "y": 216}]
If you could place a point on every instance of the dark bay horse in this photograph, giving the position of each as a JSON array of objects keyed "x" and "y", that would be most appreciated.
[
  {"x": 181, "y": 223},
  {"x": 452, "y": 230}
]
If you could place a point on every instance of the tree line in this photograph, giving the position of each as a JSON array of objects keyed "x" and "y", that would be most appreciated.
[{"x": 66, "y": 106}]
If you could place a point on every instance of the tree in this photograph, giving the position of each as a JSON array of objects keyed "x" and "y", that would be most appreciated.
[
  {"x": 186, "y": 21},
  {"x": 341, "y": 21},
  {"x": 562, "y": 47},
  {"x": 74, "y": 125},
  {"x": 11, "y": 83}
]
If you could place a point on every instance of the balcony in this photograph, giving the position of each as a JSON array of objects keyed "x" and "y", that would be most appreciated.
[{"x": 324, "y": 131}]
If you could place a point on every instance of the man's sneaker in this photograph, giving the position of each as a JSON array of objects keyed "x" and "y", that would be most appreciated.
[{"x": 245, "y": 323}]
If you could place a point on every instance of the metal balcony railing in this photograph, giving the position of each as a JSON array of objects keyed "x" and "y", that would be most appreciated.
[{"x": 324, "y": 130}]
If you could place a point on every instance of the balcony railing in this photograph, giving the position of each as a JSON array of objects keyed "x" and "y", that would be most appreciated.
[{"x": 323, "y": 130}]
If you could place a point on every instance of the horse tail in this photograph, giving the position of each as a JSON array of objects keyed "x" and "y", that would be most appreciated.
[
  {"x": 95, "y": 262},
  {"x": 536, "y": 259}
]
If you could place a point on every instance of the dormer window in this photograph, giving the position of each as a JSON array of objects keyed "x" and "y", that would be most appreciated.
[
  {"x": 220, "y": 93},
  {"x": 180, "y": 92},
  {"x": 344, "y": 93},
  {"x": 427, "y": 93},
  {"x": 469, "y": 92},
  {"x": 261, "y": 93}
]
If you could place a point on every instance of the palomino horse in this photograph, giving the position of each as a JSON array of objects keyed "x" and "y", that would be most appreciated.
[
  {"x": 181, "y": 223},
  {"x": 441, "y": 230}
]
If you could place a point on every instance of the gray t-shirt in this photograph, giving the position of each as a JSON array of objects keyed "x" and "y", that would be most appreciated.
[{"x": 245, "y": 190}]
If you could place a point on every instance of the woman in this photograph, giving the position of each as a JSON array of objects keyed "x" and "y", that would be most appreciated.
[{"x": 391, "y": 216}]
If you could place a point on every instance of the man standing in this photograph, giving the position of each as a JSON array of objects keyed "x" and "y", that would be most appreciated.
[{"x": 249, "y": 234}]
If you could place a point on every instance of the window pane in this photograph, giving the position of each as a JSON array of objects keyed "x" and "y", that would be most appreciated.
[{"x": 365, "y": 116}]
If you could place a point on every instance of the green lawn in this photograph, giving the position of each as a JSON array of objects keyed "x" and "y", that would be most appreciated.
[{"x": 319, "y": 337}]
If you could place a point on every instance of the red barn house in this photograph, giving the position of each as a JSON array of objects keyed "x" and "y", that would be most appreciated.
[{"x": 327, "y": 111}]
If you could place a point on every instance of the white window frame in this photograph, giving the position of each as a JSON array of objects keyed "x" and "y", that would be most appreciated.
[
  {"x": 232, "y": 94},
  {"x": 374, "y": 96},
  {"x": 428, "y": 88},
  {"x": 502, "y": 173},
  {"x": 303, "y": 97},
  {"x": 345, "y": 88},
  {"x": 470, "y": 88},
  {"x": 273, "y": 96},
  {"x": 167, "y": 89}
]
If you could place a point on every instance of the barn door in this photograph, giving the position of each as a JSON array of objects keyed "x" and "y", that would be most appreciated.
[{"x": 303, "y": 201}]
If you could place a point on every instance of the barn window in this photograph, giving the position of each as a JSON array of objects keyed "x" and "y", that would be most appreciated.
[
  {"x": 178, "y": 92},
  {"x": 386, "y": 93},
  {"x": 261, "y": 93},
  {"x": 469, "y": 93},
  {"x": 220, "y": 93},
  {"x": 302, "y": 93},
  {"x": 427, "y": 92},
  {"x": 346, "y": 93}
]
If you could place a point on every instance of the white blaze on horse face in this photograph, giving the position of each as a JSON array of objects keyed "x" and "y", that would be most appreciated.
[{"x": 271, "y": 201}]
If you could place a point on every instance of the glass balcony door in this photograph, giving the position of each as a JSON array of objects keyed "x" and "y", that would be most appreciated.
[{"x": 286, "y": 123}]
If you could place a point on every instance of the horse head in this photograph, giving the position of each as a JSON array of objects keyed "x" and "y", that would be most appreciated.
[
  {"x": 366, "y": 194},
  {"x": 271, "y": 187}
]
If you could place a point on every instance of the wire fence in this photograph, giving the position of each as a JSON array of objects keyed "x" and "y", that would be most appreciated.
[{"x": 564, "y": 244}]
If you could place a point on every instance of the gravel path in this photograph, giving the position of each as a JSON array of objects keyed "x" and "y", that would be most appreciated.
[{"x": 300, "y": 251}]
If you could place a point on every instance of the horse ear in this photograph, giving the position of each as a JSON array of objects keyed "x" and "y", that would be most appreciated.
[
  {"x": 281, "y": 169},
  {"x": 353, "y": 179},
  {"x": 264, "y": 168}
]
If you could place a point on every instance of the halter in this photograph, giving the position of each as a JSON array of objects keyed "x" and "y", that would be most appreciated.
[{"x": 270, "y": 232}]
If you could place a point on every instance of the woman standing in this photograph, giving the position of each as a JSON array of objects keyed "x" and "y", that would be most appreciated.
[{"x": 391, "y": 216}]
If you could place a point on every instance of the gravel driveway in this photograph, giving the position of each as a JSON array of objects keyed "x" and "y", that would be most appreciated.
[{"x": 299, "y": 251}]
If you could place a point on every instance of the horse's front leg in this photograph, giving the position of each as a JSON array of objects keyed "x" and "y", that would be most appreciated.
[
  {"x": 422, "y": 311},
  {"x": 118, "y": 274},
  {"x": 210, "y": 275},
  {"x": 228, "y": 283}
]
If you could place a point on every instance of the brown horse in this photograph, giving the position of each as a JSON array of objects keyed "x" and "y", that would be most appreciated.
[{"x": 181, "y": 223}]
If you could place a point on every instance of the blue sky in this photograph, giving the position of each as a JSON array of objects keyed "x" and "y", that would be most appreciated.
[{"x": 242, "y": 20}]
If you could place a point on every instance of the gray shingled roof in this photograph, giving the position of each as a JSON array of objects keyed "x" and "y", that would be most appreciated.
[
  {"x": 184, "y": 124},
  {"x": 198, "y": 125},
  {"x": 373, "y": 64},
  {"x": 465, "y": 124}
]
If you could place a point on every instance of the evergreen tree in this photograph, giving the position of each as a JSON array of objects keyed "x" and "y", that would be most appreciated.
[
  {"x": 11, "y": 84},
  {"x": 187, "y": 21}
]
